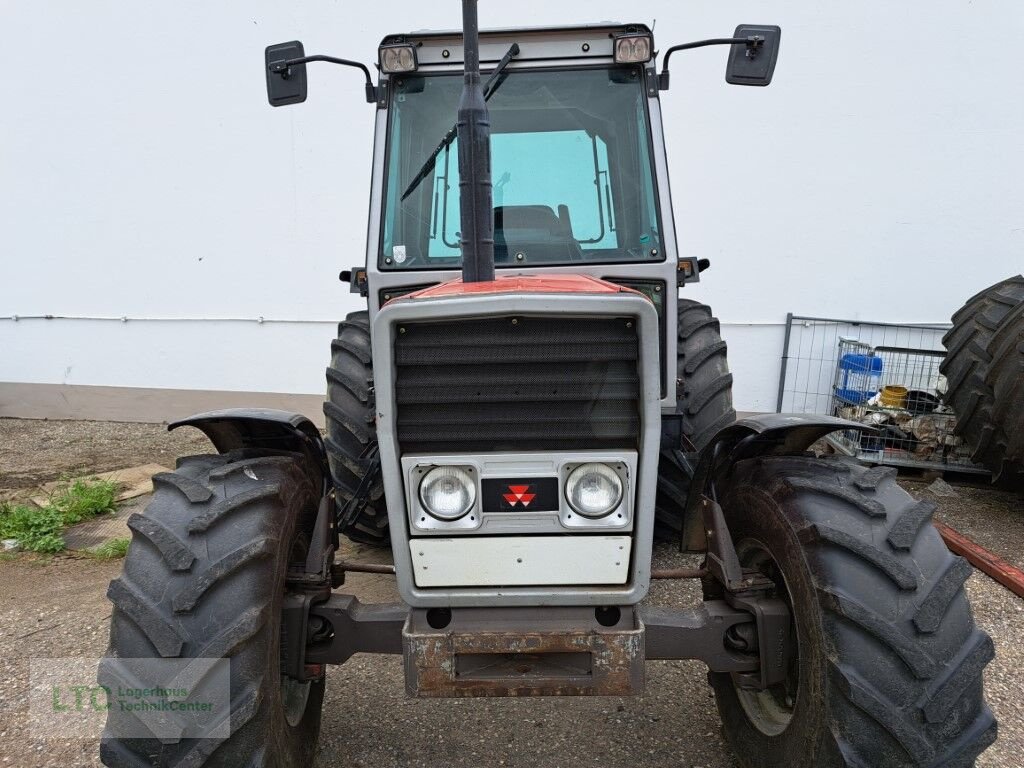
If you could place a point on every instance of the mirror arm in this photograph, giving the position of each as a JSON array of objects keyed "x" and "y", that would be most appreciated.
[
  {"x": 753, "y": 43},
  {"x": 284, "y": 69}
]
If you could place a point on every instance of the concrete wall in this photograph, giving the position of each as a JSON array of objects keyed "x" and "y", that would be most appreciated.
[{"x": 144, "y": 176}]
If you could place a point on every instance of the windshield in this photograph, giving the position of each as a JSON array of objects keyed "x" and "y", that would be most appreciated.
[{"x": 570, "y": 164}]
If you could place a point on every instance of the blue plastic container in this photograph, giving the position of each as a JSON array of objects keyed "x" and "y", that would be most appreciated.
[{"x": 860, "y": 378}]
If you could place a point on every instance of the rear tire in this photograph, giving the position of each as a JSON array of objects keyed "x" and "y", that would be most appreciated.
[
  {"x": 703, "y": 399},
  {"x": 890, "y": 662},
  {"x": 204, "y": 577},
  {"x": 351, "y": 427},
  {"x": 966, "y": 368},
  {"x": 1006, "y": 380}
]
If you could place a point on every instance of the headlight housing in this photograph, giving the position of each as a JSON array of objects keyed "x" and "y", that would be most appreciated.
[
  {"x": 593, "y": 490},
  {"x": 447, "y": 493}
]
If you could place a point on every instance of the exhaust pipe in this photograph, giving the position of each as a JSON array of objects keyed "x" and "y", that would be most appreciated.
[{"x": 476, "y": 211}]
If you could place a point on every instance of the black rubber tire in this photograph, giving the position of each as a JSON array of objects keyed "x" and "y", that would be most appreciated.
[
  {"x": 966, "y": 367},
  {"x": 703, "y": 397},
  {"x": 204, "y": 577},
  {"x": 351, "y": 427},
  {"x": 890, "y": 663},
  {"x": 1006, "y": 380}
]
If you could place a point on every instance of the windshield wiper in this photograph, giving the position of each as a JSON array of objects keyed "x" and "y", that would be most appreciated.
[{"x": 490, "y": 87}]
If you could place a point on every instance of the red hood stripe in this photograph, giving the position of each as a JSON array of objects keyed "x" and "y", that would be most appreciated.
[{"x": 521, "y": 284}]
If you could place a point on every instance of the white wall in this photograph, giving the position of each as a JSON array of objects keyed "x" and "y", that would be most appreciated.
[{"x": 142, "y": 174}]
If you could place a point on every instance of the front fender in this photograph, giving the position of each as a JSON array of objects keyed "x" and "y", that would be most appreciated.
[
  {"x": 264, "y": 429},
  {"x": 769, "y": 434}
]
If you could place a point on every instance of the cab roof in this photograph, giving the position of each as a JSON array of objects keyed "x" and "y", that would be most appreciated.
[{"x": 582, "y": 41}]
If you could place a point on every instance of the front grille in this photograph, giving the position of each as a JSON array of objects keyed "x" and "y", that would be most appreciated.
[{"x": 518, "y": 384}]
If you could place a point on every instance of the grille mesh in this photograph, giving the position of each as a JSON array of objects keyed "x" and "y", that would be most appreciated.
[{"x": 517, "y": 384}]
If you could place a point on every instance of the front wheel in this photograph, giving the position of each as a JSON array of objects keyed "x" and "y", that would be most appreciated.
[
  {"x": 888, "y": 664},
  {"x": 204, "y": 578}
]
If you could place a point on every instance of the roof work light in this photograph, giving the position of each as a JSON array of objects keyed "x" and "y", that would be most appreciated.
[
  {"x": 398, "y": 57},
  {"x": 632, "y": 48}
]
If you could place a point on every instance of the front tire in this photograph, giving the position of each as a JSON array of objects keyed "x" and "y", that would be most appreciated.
[
  {"x": 890, "y": 662},
  {"x": 205, "y": 578}
]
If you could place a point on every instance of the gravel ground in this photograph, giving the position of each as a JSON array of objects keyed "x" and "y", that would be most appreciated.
[
  {"x": 56, "y": 608},
  {"x": 34, "y": 451}
]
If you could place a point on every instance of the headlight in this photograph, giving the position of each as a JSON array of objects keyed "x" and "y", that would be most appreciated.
[
  {"x": 447, "y": 493},
  {"x": 632, "y": 49},
  {"x": 398, "y": 58},
  {"x": 593, "y": 490}
]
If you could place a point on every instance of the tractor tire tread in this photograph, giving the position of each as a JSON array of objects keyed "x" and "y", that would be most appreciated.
[
  {"x": 704, "y": 401},
  {"x": 219, "y": 606},
  {"x": 175, "y": 551},
  {"x": 968, "y": 368},
  {"x": 904, "y": 531},
  {"x": 351, "y": 427},
  {"x": 904, "y": 658}
]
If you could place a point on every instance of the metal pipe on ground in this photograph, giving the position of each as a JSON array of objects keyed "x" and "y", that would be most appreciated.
[{"x": 987, "y": 562}]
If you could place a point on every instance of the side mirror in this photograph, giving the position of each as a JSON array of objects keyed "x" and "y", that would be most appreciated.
[
  {"x": 753, "y": 63},
  {"x": 286, "y": 83}
]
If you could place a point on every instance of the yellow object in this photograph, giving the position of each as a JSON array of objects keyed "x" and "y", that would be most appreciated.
[{"x": 894, "y": 396}]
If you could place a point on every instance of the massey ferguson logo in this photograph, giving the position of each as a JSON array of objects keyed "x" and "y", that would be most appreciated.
[{"x": 519, "y": 494}]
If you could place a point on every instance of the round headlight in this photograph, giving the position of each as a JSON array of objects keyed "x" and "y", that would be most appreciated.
[
  {"x": 447, "y": 493},
  {"x": 593, "y": 490}
]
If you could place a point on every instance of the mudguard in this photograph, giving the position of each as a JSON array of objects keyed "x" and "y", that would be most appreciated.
[
  {"x": 770, "y": 434},
  {"x": 264, "y": 429}
]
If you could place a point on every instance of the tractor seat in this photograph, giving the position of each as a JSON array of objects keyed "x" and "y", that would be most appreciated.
[
  {"x": 540, "y": 219},
  {"x": 535, "y": 230}
]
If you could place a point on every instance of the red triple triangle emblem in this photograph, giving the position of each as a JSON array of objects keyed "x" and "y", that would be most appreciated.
[{"x": 519, "y": 495}]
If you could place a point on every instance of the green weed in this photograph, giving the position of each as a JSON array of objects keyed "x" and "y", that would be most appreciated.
[
  {"x": 82, "y": 499},
  {"x": 111, "y": 550},
  {"x": 37, "y": 530},
  {"x": 41, "y": 529}
]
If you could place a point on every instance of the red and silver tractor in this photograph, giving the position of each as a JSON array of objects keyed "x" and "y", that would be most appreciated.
[{"x": 526, "y": 402}]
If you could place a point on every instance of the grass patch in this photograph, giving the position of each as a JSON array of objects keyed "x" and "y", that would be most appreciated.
[
  {"x": 41, "y": 529},
  {"x": 82, "y": 499},
  {"x": 37, "y": 530},
  {"x": 110, "y": 550}
]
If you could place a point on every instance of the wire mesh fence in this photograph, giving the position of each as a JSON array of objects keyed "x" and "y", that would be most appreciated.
[{"x": 882, "y": 374}]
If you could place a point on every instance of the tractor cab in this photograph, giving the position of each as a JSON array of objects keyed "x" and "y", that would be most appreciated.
[
  {"x": 572, "y": 158},
  {"x": 577, "y": 164}
]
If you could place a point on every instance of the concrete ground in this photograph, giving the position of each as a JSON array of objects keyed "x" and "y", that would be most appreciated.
[{"x": 55, "y": 607}]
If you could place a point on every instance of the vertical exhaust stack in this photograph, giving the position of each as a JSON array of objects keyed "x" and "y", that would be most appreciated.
[{"x": 476, "y": 211}]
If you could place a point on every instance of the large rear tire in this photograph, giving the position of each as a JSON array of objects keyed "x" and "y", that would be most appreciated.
[
  {"x": 205, "y": 578},
  {"x": 889, "y": 667},
  {"x": 966, "y": 368},
  {"x": 1006, "y": 380},
  {"x": 703, "y": 399},
  {"x": 351, "y": 429}
]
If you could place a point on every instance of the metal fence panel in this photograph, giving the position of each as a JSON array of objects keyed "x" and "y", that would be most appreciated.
[{"x": 884, "y": 374}]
